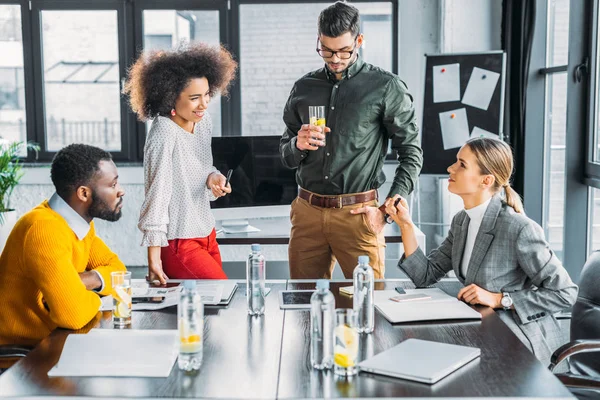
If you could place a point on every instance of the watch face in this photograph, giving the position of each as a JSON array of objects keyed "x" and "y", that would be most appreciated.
[{"x": 506, "y": 301}]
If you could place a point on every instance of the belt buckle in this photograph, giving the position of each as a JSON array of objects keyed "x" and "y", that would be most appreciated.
[{"x": 340, "y": 204}]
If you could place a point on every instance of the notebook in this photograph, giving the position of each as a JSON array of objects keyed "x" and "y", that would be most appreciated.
[
  {"x": 420, "y": 360},
  {"x": 438, "y": 306},
  {"x": 119, "y": 352}
]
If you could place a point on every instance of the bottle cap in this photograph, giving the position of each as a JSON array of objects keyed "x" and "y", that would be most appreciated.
[
  {"x": 323, "y": 284},
  {"x": 189, "y": 285},
  {"x": 363, "y": 259},
  {"x": 255, "y": 247}
]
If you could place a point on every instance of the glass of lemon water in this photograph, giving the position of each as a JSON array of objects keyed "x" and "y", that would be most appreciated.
[
  {"x": 345, "y": 348},
  {"x": 316, "y": 117},
  {"x": 121, "y": 285}
]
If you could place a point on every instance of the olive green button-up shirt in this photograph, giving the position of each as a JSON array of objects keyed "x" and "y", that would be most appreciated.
[{"x": 364, "y": 110}]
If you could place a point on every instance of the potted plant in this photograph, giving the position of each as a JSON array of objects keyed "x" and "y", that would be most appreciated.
[{"x": 10, "y": 174}]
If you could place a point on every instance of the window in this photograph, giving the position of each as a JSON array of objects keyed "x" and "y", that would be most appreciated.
[
  {"x": 594, "y": 224},
  {"x": 555, "y": 123},
  {"x": 277, "y": 47},
  {"x": 594, "y": 214},
  {"x": 596, "y": 86},
  {"x": 12, "y": 85},
  {"x": 76, "y": 55},
  {"x": 165, "y": 29},
  {"x": 80, "y": 54}
]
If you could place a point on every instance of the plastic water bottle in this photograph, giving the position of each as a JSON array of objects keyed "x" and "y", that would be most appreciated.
[
  {"x": 255, "y": 281},
  {"x": 191, "y": 327},
  {"x": 364, "y": 307},
  {"x": 322, "y": 315}
]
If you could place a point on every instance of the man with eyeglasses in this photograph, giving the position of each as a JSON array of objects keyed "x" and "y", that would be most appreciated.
[{"x": 336, "y": 214}]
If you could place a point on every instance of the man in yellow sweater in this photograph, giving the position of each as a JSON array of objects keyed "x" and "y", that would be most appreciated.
[{"x": 54, "y": 267}]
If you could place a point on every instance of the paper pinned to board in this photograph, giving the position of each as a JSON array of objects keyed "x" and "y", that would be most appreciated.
[
  {"x": 481, "y": 88},
  {"x": 455, "y": 128},
  {"x": 478, "y": 132},
  {"x": 123, "y": 352},
  {"x": 446, "y": 83}
]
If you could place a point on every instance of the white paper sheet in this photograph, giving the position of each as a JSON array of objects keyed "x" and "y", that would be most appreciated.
[
  {"x": 478, "y": 132},
  {"x": 480, "y": 88},
  {"x": 211, "y": 293},
  {"x": 455, "y": 131},
  {"x": 436, "y": 295},
  {"x": 113, "y": 352},
  {"x": 440, "y": 306},
  {"x": 446, "y": 84}
]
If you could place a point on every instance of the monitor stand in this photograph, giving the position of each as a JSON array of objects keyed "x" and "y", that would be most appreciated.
[{"x": 238, "y": 226}]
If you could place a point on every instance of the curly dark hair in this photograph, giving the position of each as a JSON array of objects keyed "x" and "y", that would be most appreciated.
[
  {"x": 74, "y": 166},
  {"x": 157, "y": 78}
]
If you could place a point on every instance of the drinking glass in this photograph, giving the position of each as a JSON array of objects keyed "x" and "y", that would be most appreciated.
[
  {"x": 316, "y": 117},
  {"x": 345, "y": 350},
  {"x": 121, "y": 285}
]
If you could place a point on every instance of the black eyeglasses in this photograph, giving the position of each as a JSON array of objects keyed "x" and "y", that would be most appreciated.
[{"x": 343, "y": 55}]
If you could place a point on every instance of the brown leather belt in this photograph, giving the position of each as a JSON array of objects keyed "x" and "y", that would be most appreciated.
[{"x": 337, "y": 201}]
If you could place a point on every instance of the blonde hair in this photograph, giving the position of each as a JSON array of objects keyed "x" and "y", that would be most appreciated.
[{"x": 494, "y": 157}]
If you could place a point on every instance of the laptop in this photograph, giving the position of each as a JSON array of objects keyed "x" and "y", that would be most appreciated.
[{"x": 420, "y": 360}]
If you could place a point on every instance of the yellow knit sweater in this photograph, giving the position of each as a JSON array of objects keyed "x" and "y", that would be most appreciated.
[{"x": 40, "y": 287}]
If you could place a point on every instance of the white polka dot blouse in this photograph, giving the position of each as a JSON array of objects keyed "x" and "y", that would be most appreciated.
[{"x": 176, "y": 166}]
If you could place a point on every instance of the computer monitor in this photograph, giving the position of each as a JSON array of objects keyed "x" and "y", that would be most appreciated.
[{"x": 259, "y": 179}]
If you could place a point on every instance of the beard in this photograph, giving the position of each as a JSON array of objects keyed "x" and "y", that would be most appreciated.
[
  {"x": 101, "y": 209},
  {"x": 350, "y": 63}
]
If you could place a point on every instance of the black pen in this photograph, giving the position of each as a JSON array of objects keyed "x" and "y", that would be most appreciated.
[{"x": 228, "y": 177}]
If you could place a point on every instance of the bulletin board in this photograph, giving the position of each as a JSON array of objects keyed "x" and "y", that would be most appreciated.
[{"x": 463, "y": 98}]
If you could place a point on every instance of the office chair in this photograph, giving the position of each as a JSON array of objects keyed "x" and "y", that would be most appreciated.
[
  {"x": 10, "y": 354},
  {"x": 583, "y": 352}
]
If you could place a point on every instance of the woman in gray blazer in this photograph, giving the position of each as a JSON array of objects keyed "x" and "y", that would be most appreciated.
[{"x": 498, "y": 253}]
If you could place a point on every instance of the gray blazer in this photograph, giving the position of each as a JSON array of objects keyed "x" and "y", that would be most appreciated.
[{"x": 510, "y": 255}]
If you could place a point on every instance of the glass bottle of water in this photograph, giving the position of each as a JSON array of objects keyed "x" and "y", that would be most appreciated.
[
  {"x": 191, "y": 327},
  {"x": 255, "y": 281},
  {"x": 322, "y": 321},
  {"x": 364, "y": 307}
]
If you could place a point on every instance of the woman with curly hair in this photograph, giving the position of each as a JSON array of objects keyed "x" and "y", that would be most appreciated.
[{"x": 173, "y": 88}]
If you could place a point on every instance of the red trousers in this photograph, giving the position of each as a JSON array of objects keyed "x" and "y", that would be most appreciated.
[{"x": 193, "y": 258}]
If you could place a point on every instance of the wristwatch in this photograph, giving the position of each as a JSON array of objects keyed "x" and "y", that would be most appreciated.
[{"x": 506, "y": 301}]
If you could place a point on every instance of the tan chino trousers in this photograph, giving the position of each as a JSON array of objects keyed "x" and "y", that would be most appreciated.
[{"x": 320, "y": 235}]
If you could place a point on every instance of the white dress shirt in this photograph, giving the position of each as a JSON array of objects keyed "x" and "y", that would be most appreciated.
[
  {"x": 75, "y": 221},
  {"x": 176, "y": 166},
  {"x": 475, "y": 215}
]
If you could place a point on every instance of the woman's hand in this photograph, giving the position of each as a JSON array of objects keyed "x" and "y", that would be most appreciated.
[
  {"x": 398, "y": 212},
  {"x": 155, "y": 269},
  {"x": 473, "y": 294},
  {"x": 216, "y": 183}
]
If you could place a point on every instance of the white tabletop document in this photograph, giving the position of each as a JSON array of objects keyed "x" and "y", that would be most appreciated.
[
  {"x": 435, "y": 305},
  {"x": 111, "y": 352},
  {"x": 420, "y": 360}
]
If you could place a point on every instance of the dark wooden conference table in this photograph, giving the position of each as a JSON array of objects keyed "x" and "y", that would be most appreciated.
[{"x": 268, "y": 357}]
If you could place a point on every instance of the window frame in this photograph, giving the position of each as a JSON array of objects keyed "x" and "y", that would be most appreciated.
[
  {"x": 27, "y": 71},
  {"x": 37, "y": 7},
  {"x": 139, "y": 6},
  {"x": 130, "y": 41},
  {"x": 236, "y": 95},
  {"x": 577, "y": 204},
  {"x": 592, "y": 168},
  {"x": 577, "y": 198}
]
